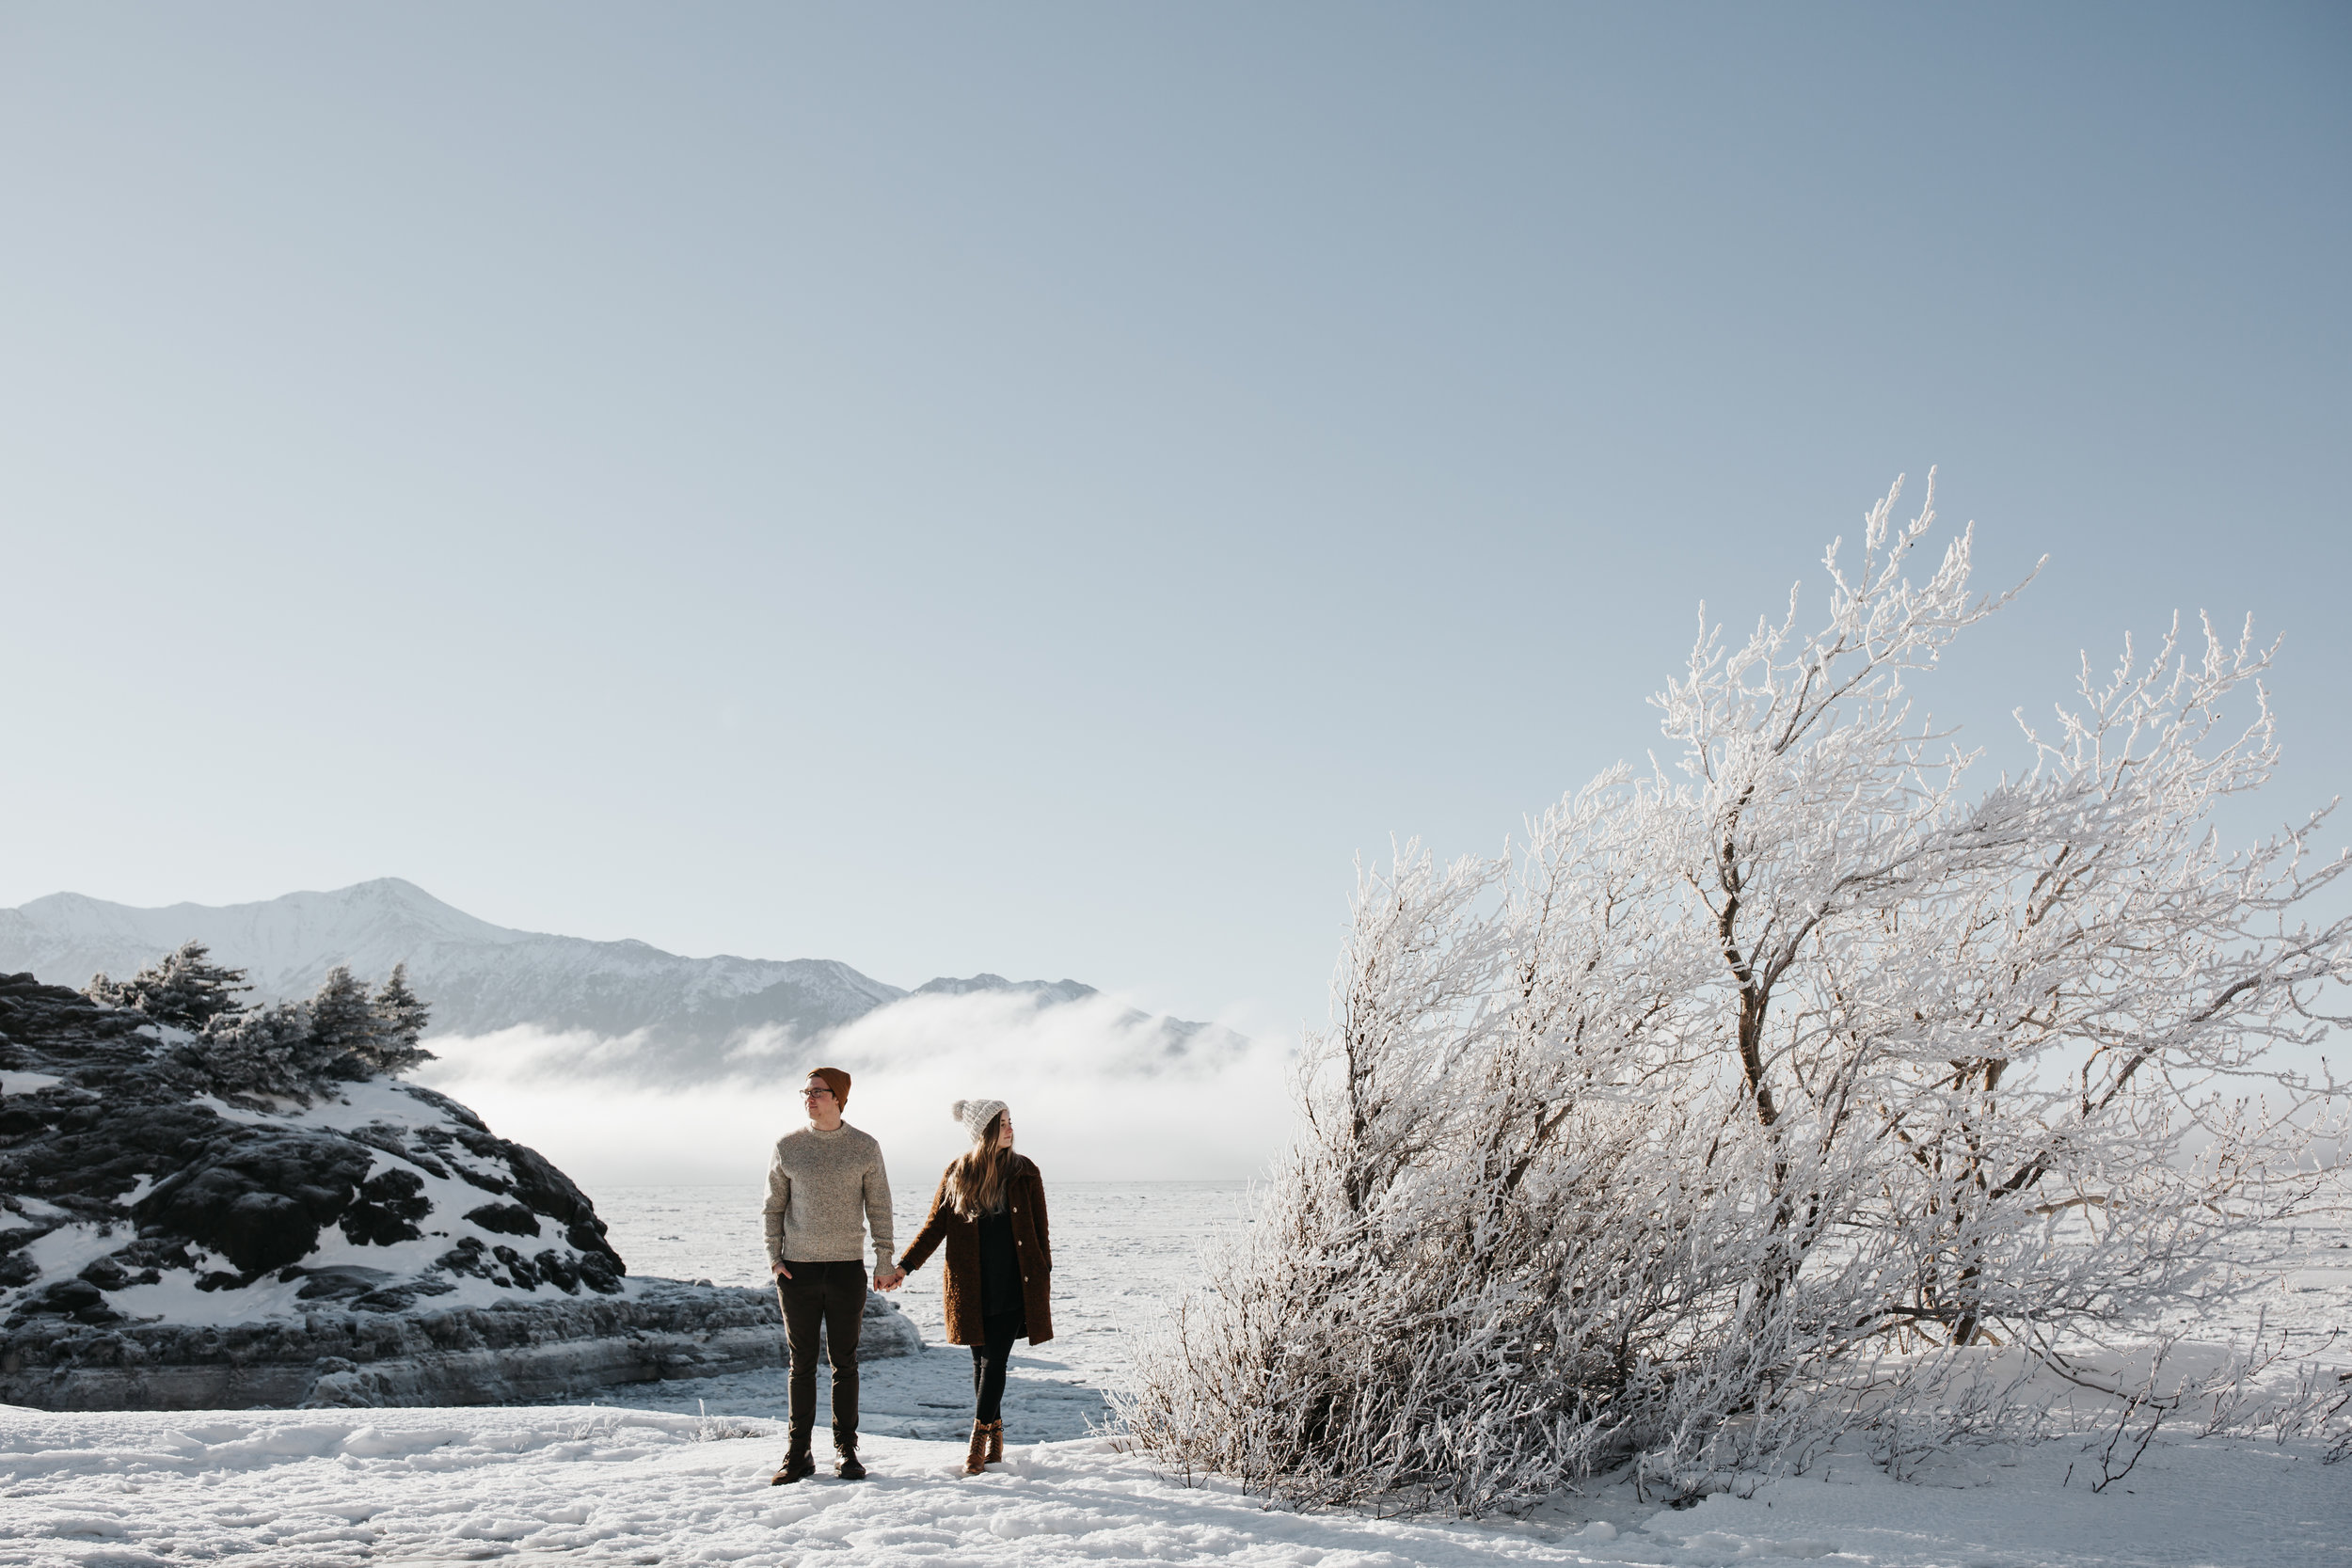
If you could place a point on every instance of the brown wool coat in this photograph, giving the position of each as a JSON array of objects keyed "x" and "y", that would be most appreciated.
[{"x": 1024, "y": 1192}]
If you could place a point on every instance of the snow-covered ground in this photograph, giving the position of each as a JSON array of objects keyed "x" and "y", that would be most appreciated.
[
  {"x": 620, "y": 1485},
  {"x": 648, "y": 1477}
]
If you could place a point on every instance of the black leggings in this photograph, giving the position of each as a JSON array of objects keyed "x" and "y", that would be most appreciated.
[{"x": 988, "y": 1364}]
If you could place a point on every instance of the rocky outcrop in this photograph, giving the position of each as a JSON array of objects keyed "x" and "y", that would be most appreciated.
[
  {"x": 512, "y": 1354},
  {"x": 106, "y": 1138},
  {"x": 161, "y": 1248}
]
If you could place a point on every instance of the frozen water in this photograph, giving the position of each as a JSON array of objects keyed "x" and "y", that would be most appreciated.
[{"x": 1121, "y": 1250}]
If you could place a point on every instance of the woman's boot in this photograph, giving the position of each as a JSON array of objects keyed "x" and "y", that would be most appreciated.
[
  {"x": 976, "y": 1461},
  {"x": 995, "y": 1442}
]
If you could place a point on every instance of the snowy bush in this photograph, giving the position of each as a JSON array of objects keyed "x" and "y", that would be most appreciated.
[
  {"x": 293, "y": 1048},
  {"x": 1678, "y": 1131}
]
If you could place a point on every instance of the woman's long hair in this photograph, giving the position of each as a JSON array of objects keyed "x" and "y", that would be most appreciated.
[{"x": 978, "y": 1185}]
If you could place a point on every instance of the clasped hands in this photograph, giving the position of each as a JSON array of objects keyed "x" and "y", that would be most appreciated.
[{"x": 885, "y": 1280}]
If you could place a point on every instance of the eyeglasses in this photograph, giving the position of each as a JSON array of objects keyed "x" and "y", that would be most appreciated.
[{"x": 815, "y": 1094}]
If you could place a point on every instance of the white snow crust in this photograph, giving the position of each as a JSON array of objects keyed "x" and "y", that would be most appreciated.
[
  {"x": 617, "y": 1485},
  {"x": 677, "y": 1473}
]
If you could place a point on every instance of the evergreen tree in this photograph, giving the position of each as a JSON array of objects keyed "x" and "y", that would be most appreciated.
[
  {"x": 262, "y": 1052},
  {"x": 342, "y": 1033},
  {"x": 290, "y": 1048},
  {"x": 401, "y": 1016},
  {"x": 184, "y": 989}
]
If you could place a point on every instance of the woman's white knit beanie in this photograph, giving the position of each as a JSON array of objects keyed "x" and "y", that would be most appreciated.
[{"x": 976, "y": 1114}]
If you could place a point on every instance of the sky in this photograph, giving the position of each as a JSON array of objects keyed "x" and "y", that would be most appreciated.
[{"x": 1044, "y": 488}]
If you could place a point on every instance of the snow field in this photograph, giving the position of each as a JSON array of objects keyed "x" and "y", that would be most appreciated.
[
  {"x": 622, "y": 1486},
  {"x": 661, "y": 1482}
]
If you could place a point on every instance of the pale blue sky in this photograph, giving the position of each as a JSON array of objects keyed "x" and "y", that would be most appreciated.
[{"x": 1040, "y": 488}]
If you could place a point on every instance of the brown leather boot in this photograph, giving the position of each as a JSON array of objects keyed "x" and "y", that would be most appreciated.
[
  {"x": 798, "y": 1462},
  {"x": 976, "y": 1461},
  {"x": 995, "y": 1442}
]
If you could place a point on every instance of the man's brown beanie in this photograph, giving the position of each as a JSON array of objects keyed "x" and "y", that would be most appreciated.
[{"x": 835, "y": 1080}]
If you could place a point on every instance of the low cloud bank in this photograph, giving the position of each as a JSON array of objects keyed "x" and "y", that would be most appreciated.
[{"x": 1100, "y": 1090}]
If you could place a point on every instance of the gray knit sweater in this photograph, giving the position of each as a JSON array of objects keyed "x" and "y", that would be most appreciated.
[{"x": 821, "y": 1185}]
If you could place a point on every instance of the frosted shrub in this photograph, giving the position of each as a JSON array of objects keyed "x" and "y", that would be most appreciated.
[{"x": 1655, "y": 1137}]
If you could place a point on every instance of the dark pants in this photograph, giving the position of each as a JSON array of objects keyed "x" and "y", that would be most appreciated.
[
  {"x": 833, "y": 1295},
  {"x": 988, "y": 1363}
]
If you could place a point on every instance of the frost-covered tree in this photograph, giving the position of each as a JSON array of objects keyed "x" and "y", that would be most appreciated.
[
  {"x": 1638, "y": 1140},
  {"x": 341, "y": 1034},
  {"x": 263, "y": 1052},
  {"x": 399, "y": 1019},
  {"x": 343, "y": 1026},
  {"x": 184, "y": 989}
]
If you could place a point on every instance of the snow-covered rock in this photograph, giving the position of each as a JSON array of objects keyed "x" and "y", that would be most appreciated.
[{"x": 164, "y": 1249}]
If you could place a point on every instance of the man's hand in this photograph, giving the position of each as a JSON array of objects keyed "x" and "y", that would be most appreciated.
[
  {"x": 781, "y": 1272},
  {"x": 889, "y": 1280}
]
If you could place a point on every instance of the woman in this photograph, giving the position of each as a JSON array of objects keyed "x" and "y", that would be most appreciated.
[{"x": 991, "y": 1211}]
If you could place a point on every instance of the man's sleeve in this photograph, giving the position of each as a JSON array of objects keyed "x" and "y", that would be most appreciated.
[
  {"x": 878, "y": 1211},
  {"x": 779, "y": 1200}
]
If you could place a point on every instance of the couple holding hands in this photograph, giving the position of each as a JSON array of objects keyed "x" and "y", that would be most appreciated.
[{"x": 827, "y": 1187}]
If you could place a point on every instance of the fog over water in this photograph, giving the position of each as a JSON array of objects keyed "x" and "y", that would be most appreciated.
[{"x": 1098, "y": 1092}]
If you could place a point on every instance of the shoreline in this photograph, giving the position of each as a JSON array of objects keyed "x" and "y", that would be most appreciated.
[{"x": 514, "y": 1353}]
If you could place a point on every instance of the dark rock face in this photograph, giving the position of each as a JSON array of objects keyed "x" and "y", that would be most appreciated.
[
  {"x": 259, "y": 1197},
  {"x": 391, "y": 1203},
  {"x": 103, "y": 1138},
  {"x": 509, "y": 1219}
]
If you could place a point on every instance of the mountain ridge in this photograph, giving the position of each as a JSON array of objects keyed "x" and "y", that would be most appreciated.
[{"x": 477, "y": 977}]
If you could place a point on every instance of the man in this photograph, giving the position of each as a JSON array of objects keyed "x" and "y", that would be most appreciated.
[{"x": 826, "y": 1187}]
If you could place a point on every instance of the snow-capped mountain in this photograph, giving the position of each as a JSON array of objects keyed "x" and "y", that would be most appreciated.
[
  {"x": 1046, "y": 992},
  {"x": 477, "y": 977}
]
